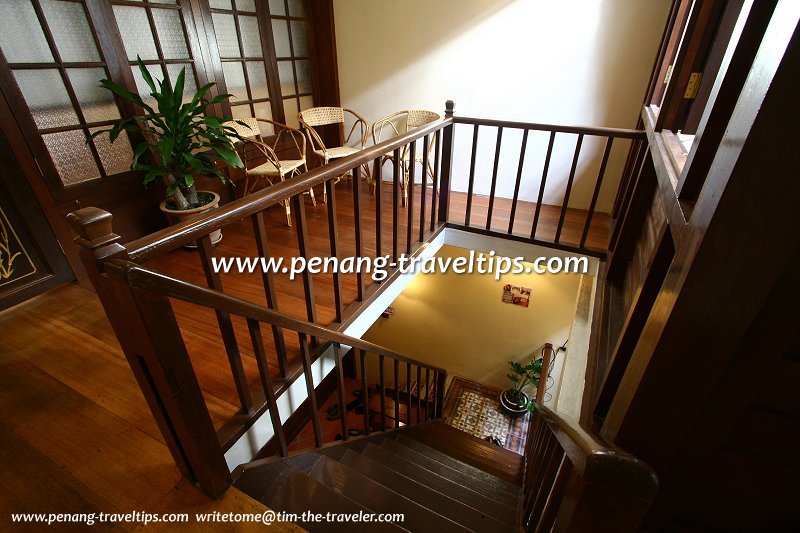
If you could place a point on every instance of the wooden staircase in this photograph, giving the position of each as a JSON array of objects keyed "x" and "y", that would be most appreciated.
[{"x": 441, "y": 479}]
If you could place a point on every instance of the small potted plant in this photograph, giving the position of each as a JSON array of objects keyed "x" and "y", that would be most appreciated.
[
  {"x": 513, "y": 399},
  {"x": 181, "y": 140}
]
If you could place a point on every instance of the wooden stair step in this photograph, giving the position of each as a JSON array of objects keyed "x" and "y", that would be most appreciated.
[
  {"x": 378, "y": 498},
  {"x": 500, "y": 484},
  {"x": 296, "y": 493},
  {"x": 500, "y": 496},
  {"x": 499, "y": 511},
  {"x": 470, "y": 449},
  {"x": 424, "y": 495}
]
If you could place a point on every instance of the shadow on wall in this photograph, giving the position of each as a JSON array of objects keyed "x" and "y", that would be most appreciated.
[{"x": 579, "y": 62}]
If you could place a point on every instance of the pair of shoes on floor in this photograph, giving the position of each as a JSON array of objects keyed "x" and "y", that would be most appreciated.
[{"x": 493, "y": 440}]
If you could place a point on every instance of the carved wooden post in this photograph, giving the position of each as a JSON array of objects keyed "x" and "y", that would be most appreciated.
[
  {"x": 447, "y": 165},
  {"x": 547, "y": 360},
  {"x": 149, "y": 336}
]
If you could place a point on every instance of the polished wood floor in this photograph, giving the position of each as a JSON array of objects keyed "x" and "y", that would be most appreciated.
[
  {"x": 199, "y": 326},
  {"x": 75, "y": 432},
  {"x": 76, "y": 435}
]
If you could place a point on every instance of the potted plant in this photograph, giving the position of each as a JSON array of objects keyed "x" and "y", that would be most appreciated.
[
  {"x": 181, "y": 140},
  {"x": 514, "y": 399}
]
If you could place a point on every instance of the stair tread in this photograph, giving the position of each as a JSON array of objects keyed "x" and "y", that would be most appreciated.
[
  {"x": 423, "y": 495},
  {"x": 470, "y": 449},
  {"x": 502, "y": 512},
  {"x": 296, "y": 493},
  {"x": 480, "y": 486},
  {"x": 447, "y": 460},
  {"x": 379, "y": 498}
]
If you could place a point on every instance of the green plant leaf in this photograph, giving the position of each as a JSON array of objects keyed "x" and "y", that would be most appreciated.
[{"x": 229, "y": 156}]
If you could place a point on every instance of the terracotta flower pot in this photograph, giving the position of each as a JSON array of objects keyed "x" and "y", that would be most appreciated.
[{"x": 176, "y": 215}]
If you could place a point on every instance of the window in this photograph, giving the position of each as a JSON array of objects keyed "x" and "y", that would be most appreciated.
[
  {"x": 288, "y": 19},
  {"x": 57, "y": 66}
]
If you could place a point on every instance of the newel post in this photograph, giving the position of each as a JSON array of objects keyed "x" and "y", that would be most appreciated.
[
  {"x": 447, "y": 164},
  {"x": 150, "y": 339}
]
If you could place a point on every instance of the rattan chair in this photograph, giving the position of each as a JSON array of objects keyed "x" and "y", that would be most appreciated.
[
  {"x": 401, "y": 122},
  {"x": 274, "y": 168},
  {"x": 322, "y": 116}
]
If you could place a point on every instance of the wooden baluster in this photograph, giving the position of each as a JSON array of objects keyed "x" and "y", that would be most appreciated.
[
  {"x": 395, "y": 203},
  {"x": 427, "y": 394},
  {"x": 542, "y": 184},
  {"x": 364, "y": 388},
  {"x": 266, "y": 382},
  {"x": 268, "y": 280},
  {"x": 358, "y": 230},
  {"x": 471, "y": 185},
  {"x": 423, "y": 191},
  {"x": 312, "y": 394},
  {"x": 569, "y": 188},
  {"x": 419, "y": 392},
  {"x": 333, "y": 236},
  {"x": 302, "y": 243},
  {"x": 225, "y": 327},
  {"x": 435, "y": 178},
  {"x": 494, "y": 177},
  {"x": 396, "y": 393},
  {"x": 518, "y": 182},
  {"x": 378, "y": 212},
  {"x": 382, "y": 361},
  {"x": 337, "y": 352},
  {"x": 548, "y": 477},
  {"x": 408, "y": 394},
  {"x": 596, "y": 193},
  {"x": 412, "y": 176},
  {"x": 447, "y": 165},
  {"x": 440, "y": 382},
  {"x": 551, "y": 507}
]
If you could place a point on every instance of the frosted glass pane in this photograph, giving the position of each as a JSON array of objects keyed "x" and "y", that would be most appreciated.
[
  {"x": 116, "y": 157},
  {"x": 241, "y": 111},
  {"x": 280, "y": 32},
  {"x": 251, "y": 37},
  {"x": 306, "y": 102},
  {"x": 21, "y": 35},
  {"x": 220, "y": 4},
  {"x": 263, "y": 110},
  {"x": 47, "y": 98},
  {"x": 71, "y": 32},
  {"x": 290, "y": 110},
  {"x": 72, "y": 157},
  {"x": 299, "y": 39},
  {"x": 286, "y": 76},
  {"x": 258, "y": 80},
  {"x": 96, "y": 103},
  {"x": 234, "y": 80},
  {"x": 171, "y": 2},
  {"x": 303, "y": 76},
  {"x": 225, "y": 30},
  {"x": 136, "y": 33},
  {"x": 296, "y": 8},
  {"x": 189, "y": 84},
  {"x": 277, "y": 7},
  {"x": 170, "y": 33},
  {"x": 246, "y": 5}
]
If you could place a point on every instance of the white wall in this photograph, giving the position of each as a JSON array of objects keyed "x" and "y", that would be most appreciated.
[{"x": 581, "y": 62}]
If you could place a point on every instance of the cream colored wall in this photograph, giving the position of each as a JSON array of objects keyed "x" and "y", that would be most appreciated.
[
  {"x": 458, "y": 322},
  {"x": 583, "y": 62}
]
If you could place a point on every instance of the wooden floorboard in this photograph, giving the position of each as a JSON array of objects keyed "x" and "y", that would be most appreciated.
[{"x": 76, "y": 435}]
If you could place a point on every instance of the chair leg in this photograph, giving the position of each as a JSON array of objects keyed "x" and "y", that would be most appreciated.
[
  {"x": 288, "y": 206},
  {"x": 313, "y": 199}
]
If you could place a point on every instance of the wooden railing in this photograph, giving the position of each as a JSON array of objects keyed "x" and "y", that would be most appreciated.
[
  {"x": 534, "y": 236},
  {"x": 574, "y": 480},
  {"x": 137, "y": 299}
]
